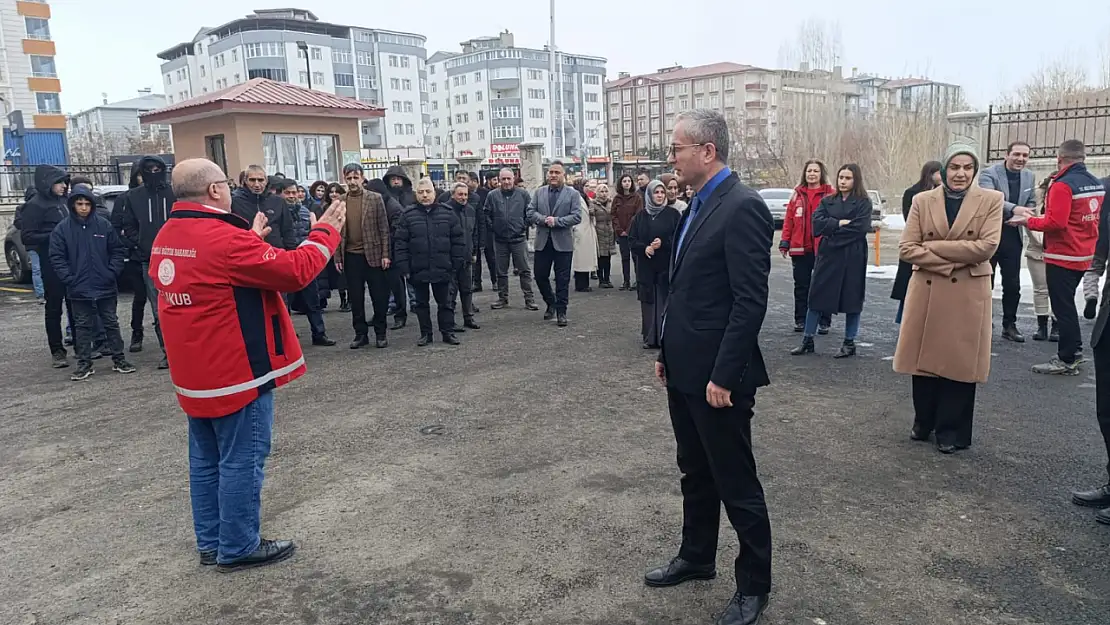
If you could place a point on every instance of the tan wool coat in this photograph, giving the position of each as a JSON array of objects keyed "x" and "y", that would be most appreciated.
[{"x": 946, "y": 322}]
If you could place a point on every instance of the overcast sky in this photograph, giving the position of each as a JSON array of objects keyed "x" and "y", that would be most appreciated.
[{"x": 987, "y": 47}]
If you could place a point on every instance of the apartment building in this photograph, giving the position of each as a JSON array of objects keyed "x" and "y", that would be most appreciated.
[
  {"x": 28, "y": 75},
  {"x": 492, "y": 96},
  {"x": 640, "y": 110},
  {"x": 380, "y": 67},
  {"x": 121, "y": 118}
]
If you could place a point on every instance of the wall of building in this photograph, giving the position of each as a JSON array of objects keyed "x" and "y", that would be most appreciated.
[{"x": 17, "y": 83}]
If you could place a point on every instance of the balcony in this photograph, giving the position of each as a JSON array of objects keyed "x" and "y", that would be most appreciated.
[
  {"x": 755, "y": 104},
  {"x": 756, "y": 86}
]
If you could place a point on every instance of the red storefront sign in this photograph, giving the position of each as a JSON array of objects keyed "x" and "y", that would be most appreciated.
[{"x": 504, "y": 153}]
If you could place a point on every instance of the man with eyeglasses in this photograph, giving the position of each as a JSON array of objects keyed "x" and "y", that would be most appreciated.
[{"x": 711, "y": 365}]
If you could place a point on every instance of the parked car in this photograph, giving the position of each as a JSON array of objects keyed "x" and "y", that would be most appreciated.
[
  {"x": 776, "y": 200},
  {"x": 19, "y": 264}
]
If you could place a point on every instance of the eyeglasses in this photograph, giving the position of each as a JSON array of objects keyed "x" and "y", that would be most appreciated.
[{"x": 675, "y": 147}]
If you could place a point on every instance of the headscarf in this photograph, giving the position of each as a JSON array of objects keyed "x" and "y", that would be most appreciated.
[
  {"x": 953, "y": 151},
  {"x": 650, "y": 206}
]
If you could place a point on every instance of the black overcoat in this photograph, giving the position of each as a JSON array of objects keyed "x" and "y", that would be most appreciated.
[{"x": 840, "y": 274}]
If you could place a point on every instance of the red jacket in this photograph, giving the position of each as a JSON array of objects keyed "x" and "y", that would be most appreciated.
[
  {"x": 797, "y": 225},
  {"x": 227, "y": 331},
  {"x": 1070, "y": 223},
  {"x": 625, "y": 207}
]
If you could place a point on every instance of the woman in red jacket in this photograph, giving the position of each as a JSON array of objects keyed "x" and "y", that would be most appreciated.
[{"x": 798, "y": 241}]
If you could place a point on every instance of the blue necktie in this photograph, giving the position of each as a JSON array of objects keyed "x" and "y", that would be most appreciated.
[{"x": 695, "y": 206}]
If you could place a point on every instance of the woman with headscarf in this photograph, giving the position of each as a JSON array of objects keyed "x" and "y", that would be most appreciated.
[
  {"x": 798, "y": 242},
  {"x": 650, "y": 237},
  {"x": 602, "y": 215},
  {"x": 840, "y": 271},
  {"x": 670, "y": 181},
  {"x": 945, "y": 340},
  {"x": 930, "y": 178},
  {"x": 584, "y": 260},
  {"x": 332, "y": 278},
  {"x": 627, "y": 203}
]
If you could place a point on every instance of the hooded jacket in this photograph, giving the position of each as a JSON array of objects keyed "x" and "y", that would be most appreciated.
[
  {"x": 146, "y": 207},
  {"x": 404, "y": 194},
  {"x": 44, "y": 210},
  {"x": 86, "y": 253},
  {"x": 393, "y": 208},
  {"x": 246, "y": 204},
  {"x": 117, "y": 216}
]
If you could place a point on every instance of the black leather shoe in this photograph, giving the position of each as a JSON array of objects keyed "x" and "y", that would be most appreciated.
[
  {"x": 743, "y": 610},
  {"x": 268, "y": 552},
  {"x": 424, "y": 340},
  {"x": 531, "y": 306},
  {"x": 1090, "y": 311},
  {"x": 918, "y": 434},
  {"x": 477, "y": 289},
  {"x": 473, "y": 325},
  {"x": 208, "y": 558},
  {"x": 549, "y": 314},
  {"x": 459, "y": 329},
  {"x": 847, "y": 350},
  {"x": 1041, "y": 334},
  {"x": 805, "y": 348},
  {"x": 822, "y": 330},
  {"x": 381, "y": 343},
  {"x": 1097, "y": 498},
  {"x": 562, "y": 322},
  {"x": 360, "y": 341},
  {"x": 499, "y": 304},
  {"x": 1011, "y": 333},
  {"x": 948, "y": 448},
  {"x": 451, "y": 339},
  {"x": 322, "y": 341},
  {"x": 799, "y": 327},
  {"x": 136, "y": 343},
  {"x": 1054, "y": 333},
  {"x": 164, "y": 363},
  {"x": 1103, "y": 516},
  {"x": 677, "y": 571},
  {"x": 399, "y": 322}
]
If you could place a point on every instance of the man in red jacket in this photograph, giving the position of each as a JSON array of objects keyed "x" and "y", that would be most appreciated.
[
  {"x": 230, "y": 342},
  {"x": 1070, "y": 225}
]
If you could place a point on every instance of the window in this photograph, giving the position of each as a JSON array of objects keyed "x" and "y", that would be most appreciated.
[
  {"x": 317, "y": 53},
  {"x": 200, "y": 48},
  {"x": 432, "y": 69},
  {"x": 699, "y": 86},
  {"x": 627, "y": 143},
  {"x": 408, "y": 106},
  {"x": 641, "y": 93},
  {"x": 654, "y": 108},
  {"x": 394, "y": 62},
  {"x": 302, "y": 77},
  {"x": 423, "y": 85},
  {"x": 535, "y": 74},
  {"x": 365, "y": 37},
  {"x": 626, "y": 95},
  {"x": 235, "y": 55},
  {"x": 272, "y": 48},
  {"x": 477, "y": 76},
  {"x": 49, "y": 102},
  {"x": 339, "y": 56},
  {"x": 458, "y": 118},
  {"x": 536, "y": 113},
  {"x": 590, "y": 97},
  {"x": 506, "y": 132},
  {"x": 181, "y": 74},
  {"x": 482, "y": 134},
  {"x": 627, "y": 110},
  {"x": 169, "y": 98},
  {"x": 43, "y": 67},
  {"x": 538, "y": 132},
  {"x": 318, "y": 78},
  {"x": 591, "y": 79},
  {"x": 344, "y": 80},
  {"x": 433, "y": 87},
  {"x": 537, "y": 94},
  {"x": 699, "y": 102},
  {"x": 169, "y": 78},
  {"x": 730, "y": 82},
  {"x": 481, "y": 116},
  {"x": 424, "y": 107},
  {"x": 683, "y": 104},
  {"x": 395, "y": 83},
  {"x": 464, "y": 98},
  {"x": 457, "y": 101},
  {"x": 683, "y": 88},
  {"x": 237, "y": 80},
  {"x": 218, "y": 61},
  {"x": 506, "y": 112},
  {"x": 405, "y": 63},
  {"x": 593, "y": 116},
  {"x": 477, "y": 96},
  {"x": 627, "y": 128},
  {"x": 714, "y": 101},
  {"x": 730, "y": 99},
  {"x": 364, "y": 58},
  {"x": 436, "y": 140},
  {"x": 462, "y": 79},
  {"x": 398, "y": 129},
  {"x": 410, "y": 129},
  {"x": 668, "y": 106},
  {"x": 641, "y": 109},
  {"x": 435, "y": 105},
  {"x": 37, "y": 28},
  {"x": 714, "y": 84},
  {"x": 668, "y": 90},
  {"x": 406, "y": 84},
  {"x": 396, "y": 106},
  {"x": 367, "y": 82},
  {"x": 654, "y": 92}
]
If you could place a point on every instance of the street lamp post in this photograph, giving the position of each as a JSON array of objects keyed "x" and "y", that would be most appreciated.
[{"x": 303, "y": 47}]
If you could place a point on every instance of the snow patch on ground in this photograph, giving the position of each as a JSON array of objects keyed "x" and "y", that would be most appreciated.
[{"x": 894, "y": 222}]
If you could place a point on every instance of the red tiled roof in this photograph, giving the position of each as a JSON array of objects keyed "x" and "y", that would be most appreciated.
[
  {"x": 265, "y": 92},
  {"x": 685, "y": 73}
]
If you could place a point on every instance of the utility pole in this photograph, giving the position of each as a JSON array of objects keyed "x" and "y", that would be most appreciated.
[
  {"x": 551, "y": 83},
  {"x": 303, "y": 47}
]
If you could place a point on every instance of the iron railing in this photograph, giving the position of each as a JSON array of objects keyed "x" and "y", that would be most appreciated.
[
  {"x": 1045, "y": 126},
  {"x": 17, "y": 178}
]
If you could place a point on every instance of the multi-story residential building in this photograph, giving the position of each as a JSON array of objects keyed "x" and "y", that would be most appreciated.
[
  {"x": 641, "y": 110},
  {"x": 121, "y": 118},
  {"x": 381, "y": 67},
  {"x": 492, "y": 96},
  {"x": 28, "y": 74},
  {"x": 915, "y": 94}
]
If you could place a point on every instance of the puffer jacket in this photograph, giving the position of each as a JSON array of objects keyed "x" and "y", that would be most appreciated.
[
  {"x": 302, "y": 221},
  {"x": 44, "y": 210},
  {"x": 86, "y": 253},
  {"x": 431, "y": 245}
]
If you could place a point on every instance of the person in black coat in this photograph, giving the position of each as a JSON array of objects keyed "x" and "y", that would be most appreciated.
[
  {"x": 930, "y": 177},
  {"x": 331, "y": 277},
  {"x": 398, "y": 289},
  {"x": 840, "y": 275},
  {"x": 430, "y": 251},
  {"x": 474, "y": 232},
  {"x": 42, "y": 212},
  {"x": 133, "y": 268},
  {"x": 257, "y": 197},
  {"x": 650, "y": 238}
]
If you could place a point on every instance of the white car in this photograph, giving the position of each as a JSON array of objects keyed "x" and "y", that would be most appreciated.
[{"x": 776, "y": 200}]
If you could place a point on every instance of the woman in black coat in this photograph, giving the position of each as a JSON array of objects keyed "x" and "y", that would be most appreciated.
[
  {"x": 650, "y": 238},
  {"x": 840, "y": 274},
  {"x": 930, "y": 177}
]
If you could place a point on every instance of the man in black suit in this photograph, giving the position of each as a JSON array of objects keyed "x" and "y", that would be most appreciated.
[
  {"x": 1100, "y": 497},
  {"x": 712, "y": 366}
]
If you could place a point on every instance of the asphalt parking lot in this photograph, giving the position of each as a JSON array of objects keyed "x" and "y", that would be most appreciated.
[{"x": 528, "y": 476}]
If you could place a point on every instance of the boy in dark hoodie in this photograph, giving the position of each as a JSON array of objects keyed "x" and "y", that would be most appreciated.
[
  {"x": 42, "y": 212},
  {"x": 133, "y": 268},
  {"x": 145, "y": 210},
  {"x": 87, "y": 256}
]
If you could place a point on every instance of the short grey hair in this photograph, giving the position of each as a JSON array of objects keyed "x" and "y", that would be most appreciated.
[
  {"x": 507, "y": 169},
  {"x": 707, "y": 126},
  {"x": 1073, "y": 150}
]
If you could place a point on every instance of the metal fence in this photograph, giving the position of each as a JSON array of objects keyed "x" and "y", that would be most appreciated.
[
  {"x": 1045, "y": 126},
  {"x": 377, "y": 167},
  {"x": 16, "y": 179}
]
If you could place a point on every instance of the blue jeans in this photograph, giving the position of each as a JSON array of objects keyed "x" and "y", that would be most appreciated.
[
  {"x": 898, "y": 317},
  {"x": 36, "y": 273},
  {"x": 227, "y": 456},
  {"x": 851, "y": 324}
]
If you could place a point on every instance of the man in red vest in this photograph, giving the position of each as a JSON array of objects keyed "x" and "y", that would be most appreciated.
[{"x": 230, "y": 342}]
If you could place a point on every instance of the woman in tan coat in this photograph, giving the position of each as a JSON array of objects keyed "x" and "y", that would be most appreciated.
[{"x": 945, "y": 341}]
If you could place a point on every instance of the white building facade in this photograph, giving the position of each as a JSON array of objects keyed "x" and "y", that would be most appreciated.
[
  {"x": 380, "y": 67},
  {"x": 493, "y": 96},
  {"x": 121, "y": 118}
]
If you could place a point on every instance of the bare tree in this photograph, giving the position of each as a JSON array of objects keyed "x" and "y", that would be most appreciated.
[
  {"x": 98, "y": 148},
  {"x": 817, "y": 44},
  {"x": 1057, "y": 80}
]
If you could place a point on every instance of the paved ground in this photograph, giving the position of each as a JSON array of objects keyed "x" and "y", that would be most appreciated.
[{"x": 550, "y": 487}]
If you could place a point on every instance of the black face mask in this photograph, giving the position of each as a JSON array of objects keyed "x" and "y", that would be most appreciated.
[{"x": 154, "y": 179}]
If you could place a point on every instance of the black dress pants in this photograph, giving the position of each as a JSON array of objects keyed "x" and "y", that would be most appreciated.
[
  {"x": 718, "y": 467},
  {"x": 1062, "y": 283},
  {"x": 361, "y": 275},
  {"x": 803, "y": 276},
  {"x": 133, "y": 276},
  {"x": 1102, "y": 394},
  {"x": 626, "y": 257},
  {"x": 54, "y": 292},
  {"x": 445, "y": 306},
  {"x": 604, "y": 269},
  {"x": 400, "y": 291},
  {"x": 545, "y": 260},
  {"x": 946, "y": 407},
  {"x": 1008, "y": 257},
  {"x": 463, "y": 288}
]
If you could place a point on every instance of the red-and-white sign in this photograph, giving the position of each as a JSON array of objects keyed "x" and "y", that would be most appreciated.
[{"x": 504, "y": 153}]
